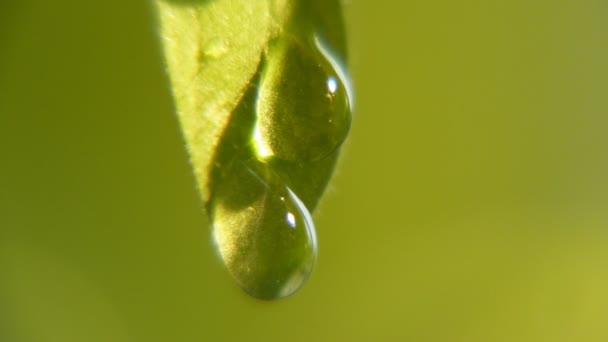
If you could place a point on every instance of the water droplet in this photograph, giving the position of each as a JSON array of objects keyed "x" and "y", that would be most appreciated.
[
  {"x": 278, "y": 151},
  {"x": 264, "y": 233},
  {"x": 214, "y": 49},
  {"x": 303, "y": 105}
]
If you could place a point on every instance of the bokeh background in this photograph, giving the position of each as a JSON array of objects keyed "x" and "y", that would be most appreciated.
[{"x": 470, "y": 204}]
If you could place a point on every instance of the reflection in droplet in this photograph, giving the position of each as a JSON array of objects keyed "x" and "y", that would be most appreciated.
[
  {"x": 305, "y": 119},
  {"x": 340, "y": 70},
  {"x": 265, "y": 237},
  {"x": 291, "y": 220},
  {"x": 332, "y": 85}
]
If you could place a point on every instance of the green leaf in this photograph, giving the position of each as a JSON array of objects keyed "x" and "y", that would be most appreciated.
[
  {"x": 213, "y": 50},
  {"x": 264, "y": 105}
]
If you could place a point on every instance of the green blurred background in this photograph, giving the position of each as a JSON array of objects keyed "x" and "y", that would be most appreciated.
[{"x": 470, "y": 203}]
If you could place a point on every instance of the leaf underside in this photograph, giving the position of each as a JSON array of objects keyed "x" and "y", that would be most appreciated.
[{"x": 213, "y": 49}]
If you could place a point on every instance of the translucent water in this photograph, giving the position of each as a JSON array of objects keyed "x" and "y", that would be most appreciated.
[
  {"x": 303, "y": 106},
  {"x": 274, "y": 161},
  {"x": 265, "y": 236}
]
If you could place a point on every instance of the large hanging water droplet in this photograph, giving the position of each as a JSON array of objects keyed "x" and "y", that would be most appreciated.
[
  {"x": 264, "y": 233},
  {"x": 303, "y": 104}
]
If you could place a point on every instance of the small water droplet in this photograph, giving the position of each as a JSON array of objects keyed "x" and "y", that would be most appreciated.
[
  {"x": 264, "y": 233},
  {"x": 303, "y": 104},
  {"x": 216, "y": 48}
]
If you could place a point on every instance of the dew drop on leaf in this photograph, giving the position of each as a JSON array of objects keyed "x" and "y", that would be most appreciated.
[
  {"x": 303, "y": 105},
  {"x": 214, "y": 49}
]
